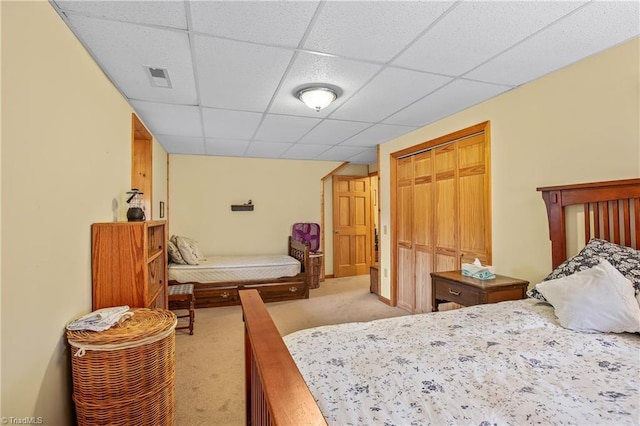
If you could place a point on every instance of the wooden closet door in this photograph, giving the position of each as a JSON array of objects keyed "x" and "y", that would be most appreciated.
[
  {"x": 404, "y": 191},
  {"x": 446, "y": 209},
  {"x": 443, "y": 216},
  {"x": 474, "y": 200},
  {"x": 423, "y": 245}
]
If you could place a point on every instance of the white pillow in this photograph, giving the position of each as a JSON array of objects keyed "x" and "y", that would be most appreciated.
[
  {"x": 174, "y": 253},
  {"x": 596, "y": 299},
  {"x": 190, "y": 250}
]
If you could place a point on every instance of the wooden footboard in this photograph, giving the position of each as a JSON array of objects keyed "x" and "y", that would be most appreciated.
[{"x": 275, "y": 390}]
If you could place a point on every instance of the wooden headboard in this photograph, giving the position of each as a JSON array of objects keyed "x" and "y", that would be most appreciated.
[
  {"x": 611, "y": 212},
  {"x": 276, "y": 392}
]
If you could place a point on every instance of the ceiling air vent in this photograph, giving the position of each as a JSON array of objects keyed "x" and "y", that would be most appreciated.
[{"x": 159, "y": 77}]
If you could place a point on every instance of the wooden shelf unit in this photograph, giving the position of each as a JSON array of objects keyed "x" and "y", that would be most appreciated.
[{"x": 129, "y": 264}]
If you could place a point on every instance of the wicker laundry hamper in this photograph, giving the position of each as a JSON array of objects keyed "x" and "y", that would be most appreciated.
[{"x": 126, "y": 375}]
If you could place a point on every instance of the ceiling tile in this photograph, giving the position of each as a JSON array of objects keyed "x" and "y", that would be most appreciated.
[
  {"x": 372, "y": 30},
  {"x": 165, "y": 13},
  {"x": 284, "y": 128},
  {"x": 225, "y": 147},
  {"x": 340, "y": 153},
  {"x": 308, "y": 68},
  {"x": 388, "y": 92},
  {"x": 267, "y": 149},
  {"x": 454, "y": 97},
  {"x": 370, "y": 156},
  {"x": 267, "y": 22},
  {"x": 236, "y": 75},
  {"x": 170, "y": 119},
  {"x": 181, "y": 144},
  {"x": 479, "y": 30},
  {"x": 595, "y": 27},
  {"x": 377, "y": 134},
  {"x": 304, "y": 152},
  {"x": 125, "y": 50},
  {"x": 221, "y": 123},
  {"x": 332, "y": 132}
]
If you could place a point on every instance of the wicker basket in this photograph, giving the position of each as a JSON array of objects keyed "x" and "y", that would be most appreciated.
[{"x": 126, "y": 375}]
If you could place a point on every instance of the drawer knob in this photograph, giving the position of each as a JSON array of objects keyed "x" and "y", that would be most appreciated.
[
  {"x": 455, "y": 293},
  {"x": 225, "y": 295},
  {"x": 292, "y": 289}
]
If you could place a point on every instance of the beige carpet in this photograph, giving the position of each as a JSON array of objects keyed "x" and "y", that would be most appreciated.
[{"x": 210, "y": 364}]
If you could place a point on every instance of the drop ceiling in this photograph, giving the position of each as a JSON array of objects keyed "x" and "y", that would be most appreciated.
[{"x": 234, "y": 66}]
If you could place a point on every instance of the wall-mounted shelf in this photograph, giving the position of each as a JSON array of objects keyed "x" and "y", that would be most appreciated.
[{"x": 241, "y": 207}]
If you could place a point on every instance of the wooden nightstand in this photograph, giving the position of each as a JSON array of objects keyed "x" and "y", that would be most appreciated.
[{"x": 452, "y": 286}]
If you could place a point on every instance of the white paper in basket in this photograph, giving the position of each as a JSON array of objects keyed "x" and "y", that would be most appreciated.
[{"x": 476, "y": 270}]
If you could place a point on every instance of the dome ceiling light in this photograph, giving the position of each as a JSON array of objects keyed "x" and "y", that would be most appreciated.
[{"x": 317, "y": 97}]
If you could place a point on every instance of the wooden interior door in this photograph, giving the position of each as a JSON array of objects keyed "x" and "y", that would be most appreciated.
[
  {"x": 415, "y": 242},
  {"x": 404, "y": 232},
  {"x": 142, "y": 163},
  {"x": 474, "y": 200},
  {"x": 351, "y": 219},
  {"x": 423, "y": 229},
  {"x": 446, "y": 209}
]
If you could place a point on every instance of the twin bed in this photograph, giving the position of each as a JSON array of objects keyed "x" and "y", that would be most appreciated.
[
  {"x": 504, "y": 363},
  {"x": 218, "y": 279}
]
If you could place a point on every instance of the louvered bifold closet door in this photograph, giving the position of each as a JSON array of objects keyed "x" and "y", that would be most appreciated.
[
  {"x": 423, "y": 244},
  {"x": 404, "y": 190},
  {"x": 474, "y": 200},
  {"x": 446, "y": 209}
]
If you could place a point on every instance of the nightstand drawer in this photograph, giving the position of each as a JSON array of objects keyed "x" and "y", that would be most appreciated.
[
  {"x": 457, "y": 293},
  {"x": 513, "y": 293}
]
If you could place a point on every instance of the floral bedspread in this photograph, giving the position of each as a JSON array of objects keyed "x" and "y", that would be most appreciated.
[{"x": 505, "y": 363}]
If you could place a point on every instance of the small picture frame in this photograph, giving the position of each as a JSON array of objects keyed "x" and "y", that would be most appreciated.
[{"x": 161, "y": 209}]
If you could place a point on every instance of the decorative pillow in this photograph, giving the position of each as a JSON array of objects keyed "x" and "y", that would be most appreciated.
[
  {"x": 192, "y": 242},
  {"x": 624, "y": 259},
  {"x": 190, "y": 250},
  {"x": 595, "y": 299},
  {"x": 174, "y": 253}
]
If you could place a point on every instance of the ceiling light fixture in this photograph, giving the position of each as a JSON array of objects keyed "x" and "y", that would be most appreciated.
[{"x": 317, "y": 97}]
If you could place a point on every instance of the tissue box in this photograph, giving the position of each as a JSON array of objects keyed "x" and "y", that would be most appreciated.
[{"x": 476, "y": 270}]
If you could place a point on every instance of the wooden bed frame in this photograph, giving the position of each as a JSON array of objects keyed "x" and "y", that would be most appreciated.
[
  {"x": 275, "y": 389},
  {"x": 215, "y": 294}
]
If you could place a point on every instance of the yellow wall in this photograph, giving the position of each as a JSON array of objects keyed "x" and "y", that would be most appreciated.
[
  {"x": 579, "y": 124},
  {"x": 283, "y": 192},
  {"x": 66, "y": 158}
]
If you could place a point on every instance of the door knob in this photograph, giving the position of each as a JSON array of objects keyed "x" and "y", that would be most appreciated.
[{"x": 336, "y": 231}]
